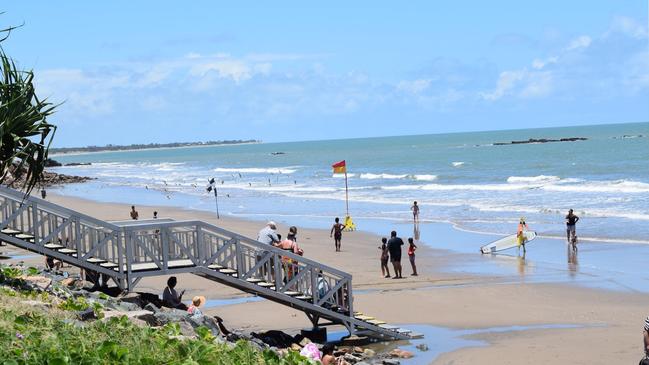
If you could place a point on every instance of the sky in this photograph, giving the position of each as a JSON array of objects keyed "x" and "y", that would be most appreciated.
[{"x": 158, "y": 71}]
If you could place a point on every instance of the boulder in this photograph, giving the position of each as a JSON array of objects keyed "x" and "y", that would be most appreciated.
[
  {"x": 351, "y": 358},
  {"x": 422, "y": 347},
  {"x": 368, "y": 353},
  {"x": 129, "y": 314},
  {"x": 37, "y": 281},
  {"x": 391, "y": 362}
]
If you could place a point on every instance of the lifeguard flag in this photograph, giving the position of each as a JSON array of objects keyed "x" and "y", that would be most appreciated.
[{"x": 340, "y": 167}]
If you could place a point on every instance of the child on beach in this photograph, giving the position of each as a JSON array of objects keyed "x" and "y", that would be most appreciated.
[
  {"x": 411, "y": 255},
  {"x": 337, "y": 233},
  {"x": 385, "y": 256},
  {"x": 415, "y": 211}
]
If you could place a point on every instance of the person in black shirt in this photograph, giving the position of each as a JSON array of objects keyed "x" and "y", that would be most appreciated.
[
  {"x": 571, "y": 222},
  {"x": 394, "y": 246}
]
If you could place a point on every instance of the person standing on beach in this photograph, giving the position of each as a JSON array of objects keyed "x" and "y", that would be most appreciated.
[
  {"x": 520, "y": 234},
  {"x": 337, "y": 233},
  {"x": 571, "y": 223},
  {"x": 385, "y": 256},
  {"x": 268, "y": 235},
  {"x": 415, "y": 211},
  {"x": 394, "y": 246},
  {"x": 411, "y": 255},
  {"x": 134, "y": 214}
]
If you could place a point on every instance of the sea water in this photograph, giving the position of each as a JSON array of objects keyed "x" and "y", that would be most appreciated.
[{"x": 464, "y": 178}]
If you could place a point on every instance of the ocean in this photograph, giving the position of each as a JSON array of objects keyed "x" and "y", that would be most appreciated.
[{"x": 465, "y": 179}]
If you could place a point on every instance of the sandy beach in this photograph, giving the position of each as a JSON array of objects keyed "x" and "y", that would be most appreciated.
[{"x": 497, "y": 318}]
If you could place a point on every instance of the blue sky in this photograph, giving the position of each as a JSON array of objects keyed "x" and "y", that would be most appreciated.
[{"x": 145, "y": 71}]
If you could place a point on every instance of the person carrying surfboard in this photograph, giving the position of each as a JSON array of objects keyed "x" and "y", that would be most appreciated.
[{"x": 520, "y": 234}]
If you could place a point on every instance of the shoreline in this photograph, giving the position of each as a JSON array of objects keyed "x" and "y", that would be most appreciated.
[
  {"x": 444, "y": 295},
  {"x": 77, "y": 153}
]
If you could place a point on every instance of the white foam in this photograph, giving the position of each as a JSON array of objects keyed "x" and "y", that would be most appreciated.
[
  {"x": 257, "y": 170},
  {"x": 458, "y": 163},
  {"x": 382, "y": 176},
  {"x": 618, "y": 186},
  {"x": 425, "y": 177},
  {"x": 533, "y": 179}
]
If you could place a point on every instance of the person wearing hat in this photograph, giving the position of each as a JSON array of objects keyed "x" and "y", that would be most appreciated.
[
  {"x": 520, "y": 234},
  {"x": 268, "y": 234},
  {"x": 193, "y": 309}
]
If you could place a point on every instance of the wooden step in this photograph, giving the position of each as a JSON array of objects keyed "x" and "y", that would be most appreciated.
[
  {"x": 10, "y": 231},
  {"x": 109, "y": 265},
  {"x": 416, "y": 335},
  {"x": 53, "y": 246},
  {"x": 292, "y": 293},
  {"x": 24, "y": 236},
  {"x": 389, "y": 327},
  {"x": 228, "y": 271},
  {"x": 375, "y": 322},
  {"x": 215, "y": 267},
  {"x": 67, "y": 251},
  {"x": 265, "y": 284},
  {"x": 95, "y": 260},
  {"x": 304, "y": 297},
  {"x": 364, "y": 318},
  {"x": 254, "y": 280},
  {"x": 403, "y": 331}
]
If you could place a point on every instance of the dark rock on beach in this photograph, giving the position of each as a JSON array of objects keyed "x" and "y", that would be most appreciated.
[
  {"x": 52, "y": 163},
  {"x": 541, "y": 140},
  {"x": 78, "y": 164}
]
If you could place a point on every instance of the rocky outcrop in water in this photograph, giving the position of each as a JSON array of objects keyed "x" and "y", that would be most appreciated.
[{"x": 541, "y": 140}]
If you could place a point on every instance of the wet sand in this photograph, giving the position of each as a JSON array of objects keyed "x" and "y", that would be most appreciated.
[{"x": 462, "y": 291}]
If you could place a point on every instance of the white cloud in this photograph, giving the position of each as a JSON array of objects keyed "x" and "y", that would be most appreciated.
[
  {"x": 539, "y": 64},
  {"x": 629, "y": 26},
  {"x": 414, "y": 86},
  {"x": 579, "y": 43},
  {"x": 506, "y": 82}
]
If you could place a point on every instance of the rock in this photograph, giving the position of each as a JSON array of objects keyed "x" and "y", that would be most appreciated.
[
  {"x": 402, "y": 354},
  {"x": 86, "y": 315},
  {"x": 152, "y": 307},
  {"x": 422, "y": 347},
  {"x": 133, "y": 298},
  {"x": 391, "y": 362},
  {"x": 358, "y": 350},
  {"x": 368, "y": 353},
  {"x": 129, "y": 314},
  {"x": 52, "y": 163},
  {"x": 78, "y": 164},
  {"x": 173, "y": 315},
  {"x": 353, "y": 359},
  {"x": 187, "y": 329},
  {"x": 68, "y": 282},
  {"x": 37, "y": 281}
]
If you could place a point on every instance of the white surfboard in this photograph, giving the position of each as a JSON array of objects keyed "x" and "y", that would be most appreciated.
[{"x": 506, "y": 243}]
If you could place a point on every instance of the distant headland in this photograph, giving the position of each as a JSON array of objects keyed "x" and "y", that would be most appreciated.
[{"x": 112, "y": 147}]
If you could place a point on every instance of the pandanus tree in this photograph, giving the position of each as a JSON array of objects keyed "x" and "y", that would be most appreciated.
[{"x": 25, "y": 133}]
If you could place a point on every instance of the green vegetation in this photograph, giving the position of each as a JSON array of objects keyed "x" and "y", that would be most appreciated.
[
  {"x": 48, "y": 333},
  {"x": 25, "y": 134}
]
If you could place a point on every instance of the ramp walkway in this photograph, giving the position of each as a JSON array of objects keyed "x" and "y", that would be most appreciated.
[{"x": 128, "y": 251}]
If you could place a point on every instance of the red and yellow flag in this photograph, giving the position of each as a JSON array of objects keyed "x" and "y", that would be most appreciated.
[{"x": 340, "y": 167}]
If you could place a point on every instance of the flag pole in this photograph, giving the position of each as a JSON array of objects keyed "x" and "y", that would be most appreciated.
[
  {"x": 346, "y": 194},
  {"x": 216, "y": 198}
]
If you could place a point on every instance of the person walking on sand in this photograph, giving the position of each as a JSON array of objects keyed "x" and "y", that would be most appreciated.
[
  {"x": 415, "y": 211},
  {"x": 571, "y": 223},
  {"x": 520, "y": 234},
  {"x": 385, "y": 256},
  {"x": 411, "y": 255},
  {"x": 337, "y": 233},
  {"x": 134, "y": 214},
  {"x": 394, "y": 246}
]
